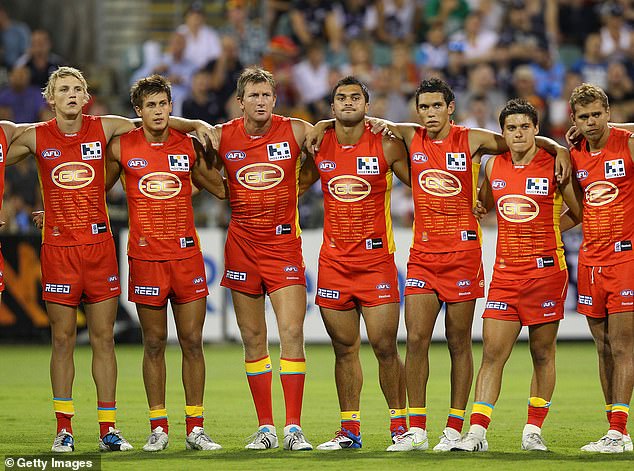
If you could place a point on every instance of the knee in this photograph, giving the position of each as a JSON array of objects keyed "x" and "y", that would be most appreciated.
[
  {"x": 345, "y": 349},
  {"x": 621, "y": 349},
  {"x": 102, "y": 341},
  {"x": 492, "y": 355},
  {"x": 63, "y": 342},
  {"x": 416, "y": 341},
  {"x": 385, "y": 351},
  {"x": 192, "y": 344},
  {"x": 459, "y": 343},
  {"x": 292, "y": 333},
  {"x": 154, "y": 345},
  {"x": 543, "y": 355}
]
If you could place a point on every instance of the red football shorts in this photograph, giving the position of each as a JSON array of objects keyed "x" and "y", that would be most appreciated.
[
  {"x": 530, "y": 301},
  {"x": 453, "y": 276},
  {"x": 254, "y": 268},
  {"x": 344, "y": 285},
  {"x": 87, "y": 273},
  {"x": 154, "y": 282},
  {"x": 605, "y": 290}
]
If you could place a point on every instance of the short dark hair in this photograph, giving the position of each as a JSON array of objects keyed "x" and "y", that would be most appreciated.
[
  {"x": 518, "y": 106},
  {"x": 435, "y": 85},
  {"x": 147, "y": 86},
  {"x": 350, "y": 80}
]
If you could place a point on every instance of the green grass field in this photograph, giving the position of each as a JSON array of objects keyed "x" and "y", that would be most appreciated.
[{"x": 27, "y": 423}]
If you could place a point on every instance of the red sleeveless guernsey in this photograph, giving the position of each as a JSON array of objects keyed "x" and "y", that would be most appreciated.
[
  {"x": 356, "y": 182},
  {"x": 4, "y": 149},
  {"x": 262, "y": 172},
  {"x": 607, "y": 179},
  {"x": 528, "y": 205},
  {"x": 444, "y": 190},
  {"x": 158, "y": 186},
  {"x": 72, "y": 170}
]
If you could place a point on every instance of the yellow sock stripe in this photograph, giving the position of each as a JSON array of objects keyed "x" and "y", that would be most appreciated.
[
  {"x": 398, "y": 413},
  {"x": 292, "y": 367},
  {"x": 538, "y": 402},
  {"x": 106, "y": 415},
  {"x": 457, "y": 413},
  {"x": 608, "y": 407},
  {"x": 258, "y": 367},
  {"x": 194, "y": 411},
  {"x": 351, "y": 415},
  {"x": 621, "y": 408},
  {"x": 158, "y": 414},
  {"x": 482, "y": 408},
  {"x": 64, "y": 405},
  {"x": 417, "y": 411}
]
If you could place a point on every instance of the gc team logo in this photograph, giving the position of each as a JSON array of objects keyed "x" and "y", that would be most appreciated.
[
  {"x": 349, "y": 188},
  {"x": 600, "y": 193},
  {"x": 518, "y": 208},
  {"x": 439, "y": 183},
  {"x": 160, "y": 185},
  {"x": 72, "y": 175},
  {"x": 260, "y": 176}
]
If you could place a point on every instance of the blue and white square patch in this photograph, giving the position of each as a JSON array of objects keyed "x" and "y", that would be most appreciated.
[
  {"x": 279, "y": 151},
  {"x": 367, "y": 165},
  {"x": 91, "y": 150},
  {"x": 178, "y": 162}
]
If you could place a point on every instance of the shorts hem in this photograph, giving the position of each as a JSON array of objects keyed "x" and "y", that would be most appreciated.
[
  {"x": 241, "y": 289},
  {"x": 286, "y": 285},
  {"x": 190, "y": 299}
]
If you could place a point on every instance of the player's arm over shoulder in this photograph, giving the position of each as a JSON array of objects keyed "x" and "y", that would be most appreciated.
[
  {"x": 22, "y": 145},
  {"x": 397, "y": 158},
  {"x": 485, "y": 195},
  {"x": 117, "y": 125},
  {"x": 205, "y": 174},
  {"x": 113, "y": 162},
  {"x": 300, "y": 129}
]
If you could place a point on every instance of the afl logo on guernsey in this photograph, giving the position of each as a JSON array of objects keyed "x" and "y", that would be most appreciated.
[
  {"x": 582, "y": 175},
  {"x": 50, "y": 154},
  {"x": 498, "y": 184},
  {"x": 349, "y": 188},
  {"x": 517, "y": 208},
  {"x": 327, "y": 166},
  {"x": 235, "y": 155},
  {"x": 73, "y": 175},
  {"x": 137, "y": 163},
  {"x": 600, "y": 193},
  {"x": 419, "y": 158},
  {"x": 439, "y": 183},
  {"x": 160, "y": 185},
  {"x": 260, "y": 176}
]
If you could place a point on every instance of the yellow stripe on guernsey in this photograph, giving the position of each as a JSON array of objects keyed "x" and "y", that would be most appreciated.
[
  {"x": 350, "y": 415},
  {"x": 475, "y": 173},
  {"x": 194, "y": 411},
  {"x": 64, "y": 405},
  {"x": 298, "y": 166},
  {"x": 388, "y": 212},
  {"x": 483, "y": 408},
  {"x": 417, "y": 410},
  {"x": 158, "y": 414},
  {"x": 258, "y": 367},
  {"x": 398, "y": 413},
  {"x": 290, "y": 367},
  {"x": 538, "y": 402},
  {"x": 557, "y": 204},
  {"x": 621, "y": 408}
]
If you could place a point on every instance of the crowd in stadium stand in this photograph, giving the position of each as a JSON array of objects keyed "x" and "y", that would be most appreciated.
[{"x": 488, "y": 51}]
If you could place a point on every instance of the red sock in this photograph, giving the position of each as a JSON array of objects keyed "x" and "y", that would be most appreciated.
[
  {"x": 351, "y": 426},
  {"x": 455, "y": 423},
  {"x": 64, "y": 422},
  {"x": 618, "y": 421},
  {"x": 191, "y": 422},
  {"x": 537, "y": 415},
  {"x": 162, "y": 422},
  {"x": 608, "y": 413},
  {"x": 292, "y": 376},
  {"x": 418, "y": 417},
  {"x": 480, "y": 419},
  {"x": 259, "y": 376}
]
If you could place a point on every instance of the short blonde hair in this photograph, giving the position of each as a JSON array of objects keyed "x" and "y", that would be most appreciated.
[
  {"x": 63, "y": 71},
  {"x": 254, "y": 75},
  {"x": 587, "y": 93}
]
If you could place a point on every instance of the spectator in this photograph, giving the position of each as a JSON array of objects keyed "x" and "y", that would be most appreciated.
[
  {"x": 616, "y": 34},
  {"x": 524, "y": 86},
  {"x": 202, "y": 41},
  {"x": 224, "y": 73},
  {"x": 549, "y": 74},
  {"x": 360, "y": 62},
  {"x": 174, "y": 66},
  {"x": 620, "y": 91},
  {"x": 433, "y": 53},
  {"x": 354, "y": 19},
  {"x": 15, "y": 38},
  {"x": 201, "y": 103},
  {"x": 312, "y": 79},
  {"x": 479, "y": 114},
  {"x": 40, "y": 60},
  {"x": 482, "y": 81},
  {"x": 518, "y": 39},
  {"x": 478, "y": 43},
  {"x": 23, "y": 195},
  {"x": 577, "y": 19},
  {"x": 455, "y": 73},
  {"x": 250, "y": 36},
  {"x": 279, "y": 61},
  {"x": 397, "y": 21},
  {"x": 315, "y": 20},
  {"x": 451, "y": 13},
  {"x": 20, "y": 101},
  {"x": 592, "y": 67}
]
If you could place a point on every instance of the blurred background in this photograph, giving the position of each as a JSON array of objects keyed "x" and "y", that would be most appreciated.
[{"x": 489, "y": 51}]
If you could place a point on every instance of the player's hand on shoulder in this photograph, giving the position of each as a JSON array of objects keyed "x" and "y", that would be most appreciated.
[
  {"x": 563, "y": 167},
  {"x": 573, "y": 136},
  {"x": 208, "y": 135},
  {"x": 378, "y": 126},
  {"x": 479, "y": 211},
  {"x": 314, "y": 136}
]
